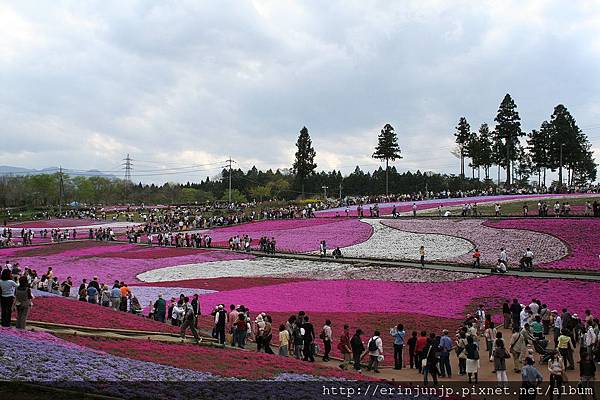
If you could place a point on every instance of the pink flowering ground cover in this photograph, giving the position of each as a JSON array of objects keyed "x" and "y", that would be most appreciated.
[
  {"x": 83, "y": 261},
  {"x": 55, "y": 223},
  {"x": 60, "y": 310},
  {"x": 488, "y": 239},
  {"x": 221, "y": 362},
  {"x": 581, "y": 235},
  {"x": 442, "y": 299},
  {"x": 301, "y": 235},
  {"x": 386, "y": 208}
]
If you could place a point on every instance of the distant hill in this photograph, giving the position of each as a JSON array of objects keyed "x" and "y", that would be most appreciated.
[{"x": 7, "y": 170}]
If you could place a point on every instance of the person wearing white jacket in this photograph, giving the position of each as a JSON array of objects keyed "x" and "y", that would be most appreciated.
[{"x": 375, "y": 350}]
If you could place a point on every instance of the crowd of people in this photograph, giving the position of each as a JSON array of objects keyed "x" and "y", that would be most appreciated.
[{"x": 538, "y": 335}]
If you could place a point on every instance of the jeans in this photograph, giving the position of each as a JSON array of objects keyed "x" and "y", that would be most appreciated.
[
  {"x": 445, "y": 368},
  {"x": 430, "y": 370},
  {"x": 398, "y": 359},
  {"x": 221, "y": 333},
  {"x": 240, "y": 338},
  {"x": 556, "y": 381},
  {"x": 283, "y": 351},
  {"x": 6, "y": 304},
  {"x": 356, "y": 356},
  {"x": 373, "y": 363},
  {"x": 462, "y": 365},
  {"x": 308, "y": 351},
  {"x": 327, "y": 345},
  {"x": 22, "y": 316},
  {"x": 189, "y": 323}
]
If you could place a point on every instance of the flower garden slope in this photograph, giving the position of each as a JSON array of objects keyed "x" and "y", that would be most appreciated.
[
  {"x": 487, "y": 239},
  {"x": 581, "y": 235},
  {"x": 390, "y": 243},
  {"x": 112, "y": 262},
  {"x": 299, "y": 235},
  {"x": 443, "y": 299}
]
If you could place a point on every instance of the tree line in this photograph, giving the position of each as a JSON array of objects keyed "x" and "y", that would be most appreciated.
[{"x": 559, "y": 144}]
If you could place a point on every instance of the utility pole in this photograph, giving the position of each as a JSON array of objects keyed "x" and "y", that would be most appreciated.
[
  {"x": 230, "y": 161},
  {"x": 340, "y": 191},
  {"x": 61, "y": 189},
  {"x": 325, "y": 190},
  {"x": 560, "y": 179}
]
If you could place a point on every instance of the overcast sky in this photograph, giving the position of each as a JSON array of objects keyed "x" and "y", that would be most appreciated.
[{"x": 185, "y": 83}]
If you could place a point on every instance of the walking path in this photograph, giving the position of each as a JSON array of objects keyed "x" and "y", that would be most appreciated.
[{"x": 486, "y": 373}]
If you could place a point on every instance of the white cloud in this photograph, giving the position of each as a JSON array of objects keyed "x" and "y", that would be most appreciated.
[{"x": 198, "y": 81}]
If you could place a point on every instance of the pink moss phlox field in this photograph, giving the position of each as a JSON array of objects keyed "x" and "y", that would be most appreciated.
[
  {"x": 55, "y": 223},
  {"x": 443, "y": 299},
  {"x": 581, "y": 235},
  {"x": 386, "y": 208},
  {"x": 487, "y": 239},
  {"x": 300, "y": 235},
  {"x": 100, "y": 260}
]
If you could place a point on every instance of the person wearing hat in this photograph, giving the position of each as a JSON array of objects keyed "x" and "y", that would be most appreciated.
[
  {"x": 531, "y": 379},
  {"x": 220, "y": 323},
  {"x": 160, "y": 308}
]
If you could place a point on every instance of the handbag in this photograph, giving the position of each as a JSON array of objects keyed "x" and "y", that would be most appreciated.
[{"x": 424, "y": 360}]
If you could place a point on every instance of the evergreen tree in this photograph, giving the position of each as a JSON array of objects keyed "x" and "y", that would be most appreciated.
[
  {"x": 566, "y": 137},
  {"x": 508, "y": 129},
  {"x": 472, "y": 151},
  {"x": 304, "y": 165},
  {"x": 539, "y": 148},
  {"x": 387, "y": 149},
  {"x": 462, "y": 135},
  {"x": 485, "y": 149}
]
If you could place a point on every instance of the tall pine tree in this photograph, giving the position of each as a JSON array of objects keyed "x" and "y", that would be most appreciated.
[
  {"x": 538, "y": 142},
  {"x": 304, "y": 165},
  {"x": 462, "y": 135},
  {"x": 387, "y": 149},
  {"x": 576, "y": 155},
  {"x": 508, "y": 129},
  {"x": 485, "y": 149}
]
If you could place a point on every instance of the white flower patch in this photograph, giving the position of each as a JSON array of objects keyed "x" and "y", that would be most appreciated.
[
  {"x": 389, "y": 243},
  {"x": 390, "y": 274},
  {"x": 261, "y": 266},
  {"x": 284, "y": 268}
]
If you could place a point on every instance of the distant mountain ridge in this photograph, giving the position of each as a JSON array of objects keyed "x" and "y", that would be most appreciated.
[{"x": 8, "y": 170}]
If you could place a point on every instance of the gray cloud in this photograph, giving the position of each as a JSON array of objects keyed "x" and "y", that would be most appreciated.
[{"x": 195, "y": 82}]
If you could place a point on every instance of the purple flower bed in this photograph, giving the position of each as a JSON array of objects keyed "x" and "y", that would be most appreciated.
[
  {"x": 581, "y": 235},
  {"x": 440, "y": 299},
  {"x": 301, "y": 235},
  {"x": 41, "y": 357},
  {"x": 101, "y": 259},
  {"x": 488, "y": 239},
  {"x": 386, "y": 208}
]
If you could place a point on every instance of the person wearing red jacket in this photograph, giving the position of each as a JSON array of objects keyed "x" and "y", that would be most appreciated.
[
  {"x": 345, "y": 348},
  {"x": 421, "y": 343}
]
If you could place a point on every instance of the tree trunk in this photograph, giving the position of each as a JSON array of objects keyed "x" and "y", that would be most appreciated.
[
  {"x": 302, "y": 188},
  {"x": 387, "y": 169},
  {"x": 462, "y": 165},
  {"x": 544, "y": 181},
  {"x": 499, "y": 174}
]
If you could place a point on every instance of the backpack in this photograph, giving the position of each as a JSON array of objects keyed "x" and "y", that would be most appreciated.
[{"x": 373, "y": 344}]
